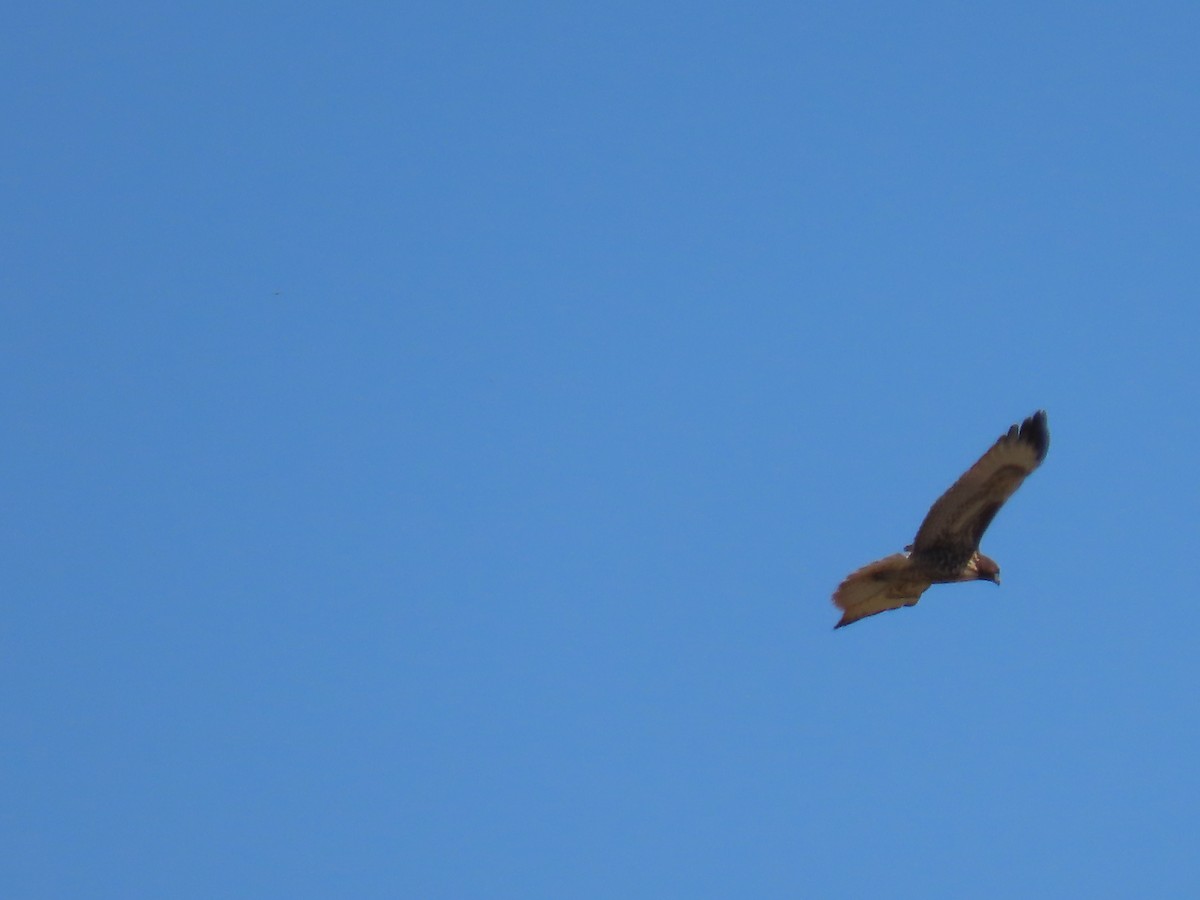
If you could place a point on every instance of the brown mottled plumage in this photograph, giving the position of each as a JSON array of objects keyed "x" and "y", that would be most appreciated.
[{"x": 946, "y": 548}]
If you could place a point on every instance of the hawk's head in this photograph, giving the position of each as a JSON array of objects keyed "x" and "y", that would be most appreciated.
[{"x": 986, "y": 568}]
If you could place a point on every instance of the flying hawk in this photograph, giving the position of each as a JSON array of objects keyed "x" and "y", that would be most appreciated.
[{"x": 946, "y": 548}]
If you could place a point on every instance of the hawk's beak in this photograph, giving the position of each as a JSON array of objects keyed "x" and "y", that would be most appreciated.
[{"x": 996, "y": 578}]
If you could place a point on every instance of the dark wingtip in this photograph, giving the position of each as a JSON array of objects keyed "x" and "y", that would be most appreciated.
[{"x": 1036, "y": 433}]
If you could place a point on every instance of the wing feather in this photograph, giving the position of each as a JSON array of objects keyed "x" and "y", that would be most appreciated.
[
  {"x": 887, "y": 583},
  {"x": 962, "y": 514}
]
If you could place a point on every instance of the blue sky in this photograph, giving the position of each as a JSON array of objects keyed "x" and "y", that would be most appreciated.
[{"x": 434, "y": 432}]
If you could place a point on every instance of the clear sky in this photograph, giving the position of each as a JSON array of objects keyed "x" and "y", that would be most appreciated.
[{"x": 433, "y": 433}]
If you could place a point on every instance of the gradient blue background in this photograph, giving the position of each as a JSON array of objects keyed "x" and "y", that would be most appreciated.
[{"x": 433, "y": 433}]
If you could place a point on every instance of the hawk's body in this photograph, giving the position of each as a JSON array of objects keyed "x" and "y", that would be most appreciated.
[{"x": 946, "y": 548}]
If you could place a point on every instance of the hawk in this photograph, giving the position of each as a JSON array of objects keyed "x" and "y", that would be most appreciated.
[{"x": 946, "y": 548}]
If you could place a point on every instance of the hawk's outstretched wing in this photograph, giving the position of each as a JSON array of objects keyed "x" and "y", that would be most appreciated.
[
  {"x": 887, "y": 583},
  {"x": 960, "y": 516}
]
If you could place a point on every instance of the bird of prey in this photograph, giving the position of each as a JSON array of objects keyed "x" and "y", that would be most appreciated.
[{"x": 946, "y": 548}]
